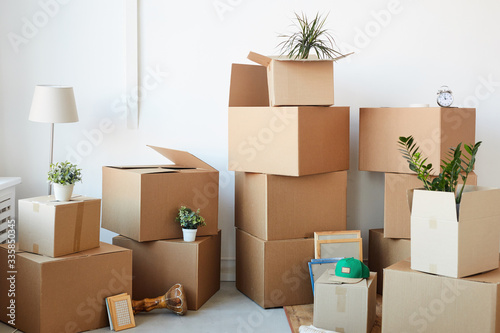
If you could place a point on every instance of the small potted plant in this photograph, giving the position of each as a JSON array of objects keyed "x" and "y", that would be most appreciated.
[
  {"x": 64, "y": 175},
  {"x": 190, "y": 221}
]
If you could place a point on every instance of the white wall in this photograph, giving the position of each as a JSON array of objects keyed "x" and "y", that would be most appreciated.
[{"x": 402, "y": 57}]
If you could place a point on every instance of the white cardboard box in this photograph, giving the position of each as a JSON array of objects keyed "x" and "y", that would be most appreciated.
[
  {"x": 345, "y": 307},
  {"x": 441, "y": 244}
]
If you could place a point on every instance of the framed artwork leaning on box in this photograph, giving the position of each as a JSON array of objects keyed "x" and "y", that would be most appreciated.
[{"x": 338, "y": 244}]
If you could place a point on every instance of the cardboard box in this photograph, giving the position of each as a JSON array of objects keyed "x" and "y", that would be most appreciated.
[
  {"x": 396, "y": 210},
  {"x": 383, "y": 252},
  {"x": 64, "y": 294},
  {"x": 419, "y": 302},
  {"x": 280, "y": 207},
  {"x": 345, "y": 307},
  {"x": 296, "y": 82},
  {"x": 435, "y": 130},
  {"x": 274, "y": 273},
  {"x": 142, "y": 202},
  {"x": 55, "y": 229},
  {"x": 289, "y": 141},
  {"x": 441, "y": 245},
  {"x": 158, "y": 265}
]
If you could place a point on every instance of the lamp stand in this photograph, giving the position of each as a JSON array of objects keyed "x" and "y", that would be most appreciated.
[{"x": 51, "y": 151}]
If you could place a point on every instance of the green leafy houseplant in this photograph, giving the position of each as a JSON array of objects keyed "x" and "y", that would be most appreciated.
[
  {"x": 64, "y": 173},
  {"x": 457, "y": 165},
  {"x": 311, "y": 35},
  {"x": 190, "y": 219}
]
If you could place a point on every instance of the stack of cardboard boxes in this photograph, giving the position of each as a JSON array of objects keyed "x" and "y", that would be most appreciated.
[
  {"x": 60, "y": 274},
  {"x": 290, "y": 150},
  {"x": 141, "y": 203},
  {"x": 435, "y": 130}
]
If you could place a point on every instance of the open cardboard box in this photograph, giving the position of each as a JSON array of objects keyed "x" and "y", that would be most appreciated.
[
  {"x": 297, "y": 82},
  {"x": 54, "y": 228},
  {"x": 345, "y": 307},
  {"x": 288, "y": 141},
  {"x": 396, "y": 210},
  {"x": 280, "y": 207},
  {"x": 64, "y": 294},
  {"x": 446, "y": 245},
  {"x": 142, "y": 202},
  {"x": 419, "y": 302},
  {"x": 435, "y": 130}
]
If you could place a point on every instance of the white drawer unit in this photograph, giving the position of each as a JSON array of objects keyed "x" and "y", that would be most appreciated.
[{"x": 7, "y": 204}]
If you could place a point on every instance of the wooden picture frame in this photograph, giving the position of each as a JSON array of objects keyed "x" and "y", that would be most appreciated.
[
  {"x": 120, "y": 312},
  {"x": 333, "y": 244}
]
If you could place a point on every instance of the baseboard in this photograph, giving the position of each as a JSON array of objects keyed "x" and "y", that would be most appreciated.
[{"x": 228, "y": 269}]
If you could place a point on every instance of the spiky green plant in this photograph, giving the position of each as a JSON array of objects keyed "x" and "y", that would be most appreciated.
[
  {"x": 311, "y": 36},
  {"x": 456, "y": 165}
]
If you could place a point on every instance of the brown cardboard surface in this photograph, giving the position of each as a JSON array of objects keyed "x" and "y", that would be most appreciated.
[
  {"x": 301, "y": 82},
  {"x": 435, "y": 130},
  {"x": 384, "y": 252},
  {"x": 65, "y": 294},
  {"x": 55, "y": 228},
  {"x": 158, "y": 265},
  {"x": 274, "y": 273},
  {"x": 280, "y": 207},
  {"x": 419, "y": 302},
  {"x": 345, "y": 307},
  {"x": 396, "y": 210},
  {"x": 289, "y": 141},
  {"x": 142, "y": 202},
  {"x": 443, "y": 245}
]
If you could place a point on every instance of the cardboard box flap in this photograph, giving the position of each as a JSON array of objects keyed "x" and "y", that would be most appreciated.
[
  {"x": 248, "y": 86},
  {"x": 266, "y": 60},
  {"x": 479, "y": 202},
  {"x": 166, "y": 166},
  {"x": 434, "y": 204},
  {"x": 183, "y": 158}
]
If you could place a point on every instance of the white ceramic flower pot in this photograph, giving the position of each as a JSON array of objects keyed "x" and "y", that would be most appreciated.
[
  {"x": 189, "y": 234},
  {"x": 63, "y": 192}
]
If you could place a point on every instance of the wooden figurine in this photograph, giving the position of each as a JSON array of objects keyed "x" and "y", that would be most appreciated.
[{"x": 174, "y": 300}]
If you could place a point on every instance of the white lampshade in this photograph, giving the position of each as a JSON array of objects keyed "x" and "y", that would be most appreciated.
[{"x": 53, "y": 104}]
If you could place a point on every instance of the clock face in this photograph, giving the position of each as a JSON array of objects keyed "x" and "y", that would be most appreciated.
[{"x": 445, "y": 99}]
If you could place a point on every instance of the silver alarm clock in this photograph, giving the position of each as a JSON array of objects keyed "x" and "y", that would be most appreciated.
[{"x": 444, "y": 97}]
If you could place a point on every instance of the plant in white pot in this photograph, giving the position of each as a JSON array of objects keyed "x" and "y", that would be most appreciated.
[
  {"x": 455, "y": 228},
  {"x": 64, "y": 175},
  {"x": 190, "y": 221}
]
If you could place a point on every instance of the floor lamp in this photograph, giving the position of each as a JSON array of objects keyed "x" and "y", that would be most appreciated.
[{"x": 53, "y": 104}]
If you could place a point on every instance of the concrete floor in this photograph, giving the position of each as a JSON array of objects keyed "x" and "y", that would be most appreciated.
[{"x": 228, "y": 311}]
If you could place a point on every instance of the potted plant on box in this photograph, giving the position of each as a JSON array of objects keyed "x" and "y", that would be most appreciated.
[
  {"x": 457, "y": 165},
  {"x": 190, "y": 221},
  {"x": 311, "y": 36},
  {"x": 64, "y": 175}
]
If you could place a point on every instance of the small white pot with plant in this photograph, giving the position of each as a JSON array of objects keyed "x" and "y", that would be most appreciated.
[
  {"x": 190, "y": 221},
  {"x": 64, "y": 175}
]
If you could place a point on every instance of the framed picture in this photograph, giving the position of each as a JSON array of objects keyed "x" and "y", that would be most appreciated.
[
  {"x": 319, "y": 266},
  {"x": 338, "y": 244}
]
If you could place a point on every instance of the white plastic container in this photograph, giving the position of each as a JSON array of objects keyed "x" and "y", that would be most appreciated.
[{"x": 7, "y": 204}]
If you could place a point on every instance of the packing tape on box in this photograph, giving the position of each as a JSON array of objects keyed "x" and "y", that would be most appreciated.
[
  {"x": 339, "y": 330},
  {"x": 433, "y": 224},
  {"x": 433, "y": 268},
  {"x": 78, "y": 226},
  {"x": 341, "y": 298},
  {"x": 36, "y": 207},
  {"x": 35, "y": 248}
]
